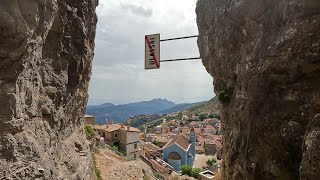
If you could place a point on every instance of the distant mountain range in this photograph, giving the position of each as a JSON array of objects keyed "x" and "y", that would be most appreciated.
[
  {"x": 120, "y": 113},
  {"x": 207, "y": 109}
]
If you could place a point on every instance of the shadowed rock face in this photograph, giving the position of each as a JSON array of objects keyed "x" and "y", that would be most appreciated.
[
  {"x": 265, "y": 60},
  {"x": 46, "y": 51}
]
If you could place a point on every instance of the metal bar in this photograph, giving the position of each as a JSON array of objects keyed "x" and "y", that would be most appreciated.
[
  {"x": 182, "y": 59},
  {"x": 185, "y": 37}
]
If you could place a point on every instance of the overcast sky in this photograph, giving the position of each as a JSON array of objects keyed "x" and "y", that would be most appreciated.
[{"x": 118, "y": 74}]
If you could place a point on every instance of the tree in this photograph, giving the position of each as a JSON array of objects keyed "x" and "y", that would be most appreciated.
[
  {"x": 186, "y": 169},
  {"x": 89, "y": 131},
  {"x": 202, "y": 117},
  {"x": 180, "y": 115},
  {"x": 195, "y": 172},
  {"x": 214, "y": 116},
  {"x": 157, "y": 143},
  {"x": 211, "y": 162}
]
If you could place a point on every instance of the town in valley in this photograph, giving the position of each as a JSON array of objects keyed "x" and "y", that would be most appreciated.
[{"x": 180, "y": 145}]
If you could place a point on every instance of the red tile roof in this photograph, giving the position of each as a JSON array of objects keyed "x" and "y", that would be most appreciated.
[
  {"x": 181, "y": 140},
  {"x": 151, "y": 147},
  {"x": 109, "y": 127},
  {"x": 158, "y": 167},
  {"x": 197, "y": 130},
  {"x": 199, "y": 148},
  {"x": 185, "y": 130},
  {"x": 209, "y": 126},
  {"x": 115, "y": 127},
  {"x": 131, "y": 129},
  {"x": 200, "y": 139}
]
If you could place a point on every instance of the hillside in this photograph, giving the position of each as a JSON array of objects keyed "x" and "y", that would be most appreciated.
[
  {"x": 120, "y": 113},
  {"x": 181, "y": 107},
  {"x": 140, "y": 120},
  {"x": 202, "y": 108},
  {"x": 210, "y": 107}
]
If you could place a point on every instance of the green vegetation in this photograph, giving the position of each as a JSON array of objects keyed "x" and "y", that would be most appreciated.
[
  {"x": 205, "y": 110},
  {"x": 96, "y": 170},
  {"x": 225, "y": 95},
  {"x": 118, "y": 150},
  {"x": 211, "y": 162},
  {"x": 210, "y": 107},
  {"x": 188, "y": 170},
  {"x": 51, "y": 90},
  {"x": 145, "y": 177},
  {"x": 140, "y": 120},
  {"x": 89, "y": 131},
  {"x": 157, "y": 175},
  {"x": 195, "y": 172},
  {"x": 122, "y": 152},
  {"x": 115, "y": 148},
  {"x": 151, "y": 130},
  {"x": 202, "y": 117},
  {"x": 159, "y": 144},
  {"x": 145, "y": 121},
  {"x": 205, "y": 116},
  {"x": 214, "y": 116},
  {"x": 180, "y": 115}
]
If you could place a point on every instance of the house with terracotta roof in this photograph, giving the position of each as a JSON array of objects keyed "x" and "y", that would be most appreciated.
[
  {"x": 180, "y": 150},
  {"x": 185, "y": 131},
  {"x": 126, "y": 138},
  {"x": 159, "y": 168},
  {"x": 150, "y": 150},
  {"x": 209, "y": 147},
  {"x": 212, "y": 147},
  {"x": 200, "y": 140},
  {"x": 197, "y": 131},
  {"x": 209, "y": 130}
]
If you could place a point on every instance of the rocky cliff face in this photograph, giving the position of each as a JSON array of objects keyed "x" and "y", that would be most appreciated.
[
  {"x": 46, "y": 50},
  {"x": 265, "y": 60}
]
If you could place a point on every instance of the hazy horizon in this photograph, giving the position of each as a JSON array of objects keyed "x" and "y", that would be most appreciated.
[{"x": 97, "y": 102}]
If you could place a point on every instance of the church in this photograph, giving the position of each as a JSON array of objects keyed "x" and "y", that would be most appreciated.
[{"x": 180, "y": 150}]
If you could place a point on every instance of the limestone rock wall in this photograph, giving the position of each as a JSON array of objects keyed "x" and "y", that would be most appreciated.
[
  {"x": 46, "y": 51},
  {"x": 265, "y": 60}
]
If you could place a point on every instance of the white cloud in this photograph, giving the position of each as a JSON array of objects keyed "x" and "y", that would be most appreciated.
[{"x": 118, "y": 68}]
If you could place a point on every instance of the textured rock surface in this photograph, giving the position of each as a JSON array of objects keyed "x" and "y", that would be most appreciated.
[
  {"x": 265, "y": 60},
  {"x": 46, "y": 49}
]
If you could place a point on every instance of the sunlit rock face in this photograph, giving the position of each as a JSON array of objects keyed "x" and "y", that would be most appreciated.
[
  {"x": 46, "y": 51},
  {"x": 265, "y": 60}
]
